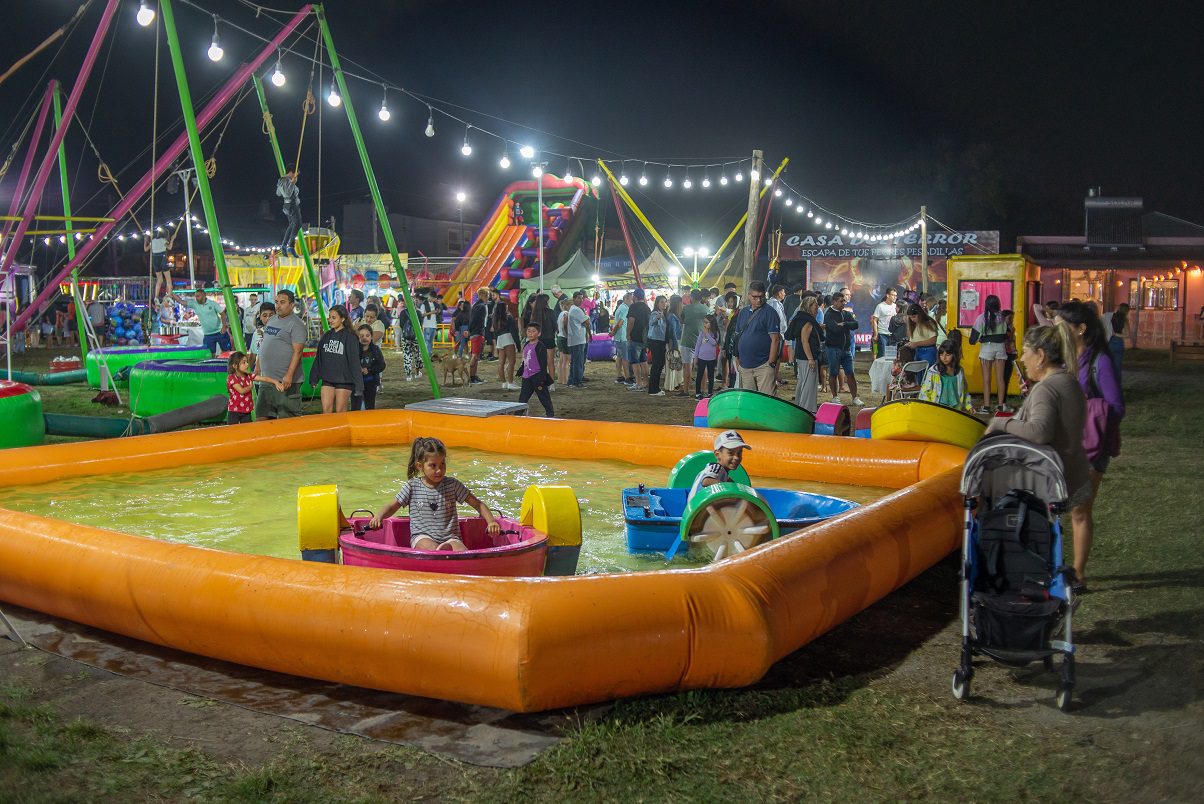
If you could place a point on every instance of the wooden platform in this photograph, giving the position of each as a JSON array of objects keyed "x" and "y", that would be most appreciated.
[
  {"x": 1185, "y": 351},
  {"x": 461, "y": 406}
]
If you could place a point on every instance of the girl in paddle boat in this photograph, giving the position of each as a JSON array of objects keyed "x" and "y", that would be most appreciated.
[{"x": 432, "y": 497}]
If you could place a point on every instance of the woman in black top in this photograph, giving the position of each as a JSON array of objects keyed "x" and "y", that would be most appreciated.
[
  {"x": 459, "y": 326},
  {"x": 545, "y": 316},
  {"x": 337, "y": 363},
  {"x": 505, "y": 333},
  {"x": 804, "y": 331}
]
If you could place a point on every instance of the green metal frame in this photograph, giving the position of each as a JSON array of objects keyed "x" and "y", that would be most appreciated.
[
  {"x": 305, "y": 255},
  {"x": 381, "y": 213},
  {"x": 202, "y": 179},
  {"x": 79, "y": 313}
]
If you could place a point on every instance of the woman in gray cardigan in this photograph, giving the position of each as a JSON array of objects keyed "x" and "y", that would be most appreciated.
[{"x": 1054, "y": 412}]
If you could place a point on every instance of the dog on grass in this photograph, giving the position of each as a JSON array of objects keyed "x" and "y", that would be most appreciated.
[{"x": 452, "y": 367}]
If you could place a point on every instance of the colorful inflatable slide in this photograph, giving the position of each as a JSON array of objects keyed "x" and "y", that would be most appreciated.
[{"x": 506, "y": 248}]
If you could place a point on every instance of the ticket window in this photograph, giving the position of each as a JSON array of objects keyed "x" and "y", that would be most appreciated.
[{"x": 972, "y": 298}]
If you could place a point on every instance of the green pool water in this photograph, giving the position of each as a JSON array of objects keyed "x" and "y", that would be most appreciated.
[{"x": 250, "y": 505}]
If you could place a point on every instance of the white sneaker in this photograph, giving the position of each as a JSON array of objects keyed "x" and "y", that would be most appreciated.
[
  {"x": 857, "y": 401},
  {"x": 658, "y": 393},
  {"x": 835, "y": 400}
]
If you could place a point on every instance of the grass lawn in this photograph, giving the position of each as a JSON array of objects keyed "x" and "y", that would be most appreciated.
[{"x": 862, "y": 714}]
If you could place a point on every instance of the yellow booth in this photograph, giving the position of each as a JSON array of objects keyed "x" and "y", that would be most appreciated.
[{"x": 1014, "y": 278}]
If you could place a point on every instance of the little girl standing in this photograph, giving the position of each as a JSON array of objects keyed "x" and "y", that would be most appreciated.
[
  {"x": 432, "y": 497},
  {"x": 238, "y": 385},
  {"x": 706, "y": 353},
  {"x": 945, "y": 382}
]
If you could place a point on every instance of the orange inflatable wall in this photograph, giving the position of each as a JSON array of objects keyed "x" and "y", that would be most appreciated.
[{"x": 520, "y": 644}]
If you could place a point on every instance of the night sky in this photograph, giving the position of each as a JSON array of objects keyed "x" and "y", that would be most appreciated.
[{"x": 998, "y": 116}]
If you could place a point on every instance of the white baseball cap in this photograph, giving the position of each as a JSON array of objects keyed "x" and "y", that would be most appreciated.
[{"x": 731, "y": 439}]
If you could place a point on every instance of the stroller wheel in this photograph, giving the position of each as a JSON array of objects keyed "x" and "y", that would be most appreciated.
[
  {"x": 1062, "y": 698},
  {"x": 961, "y": 685}
]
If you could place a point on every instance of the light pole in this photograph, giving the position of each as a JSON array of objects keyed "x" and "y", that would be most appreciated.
[
  {"x": 461, "y": 197},
  {"x": 537, "y": 169},
  {"x": 701, "y": 251},
  {"x": 185, "y": 177}
]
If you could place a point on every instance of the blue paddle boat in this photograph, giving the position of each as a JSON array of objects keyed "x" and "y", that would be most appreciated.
[{"x": 653, "y": 516}]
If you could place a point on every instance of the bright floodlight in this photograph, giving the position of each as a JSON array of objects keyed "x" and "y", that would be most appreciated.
[
  {"x": 461, "y": 196},
  {"x": 537, "y": 171},
  {"x": 146, "y": 15},
  {"x": 278, "y": 77},
  {"x": 689, "y": 251},
  {"x": 596, "y": 279},
  {"x": 504, "y": 162},
  {"x": 527, "y": 152},
  {"x": 674, "y": 271},
  {"x": 703, "y": 251},
  {"x": 333, "y": 98}
]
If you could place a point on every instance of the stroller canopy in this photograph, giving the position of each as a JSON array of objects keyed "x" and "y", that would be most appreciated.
[{"x": 1000, "y": 463}]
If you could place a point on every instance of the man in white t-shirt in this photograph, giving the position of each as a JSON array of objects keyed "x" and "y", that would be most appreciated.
[{"x": 883, "y": 313}]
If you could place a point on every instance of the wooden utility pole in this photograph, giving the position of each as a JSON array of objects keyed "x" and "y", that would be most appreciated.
[{"x": 750, "y": 225}]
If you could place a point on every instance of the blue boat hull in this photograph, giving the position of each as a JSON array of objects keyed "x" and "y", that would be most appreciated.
[{"x": 653, "y": 516}]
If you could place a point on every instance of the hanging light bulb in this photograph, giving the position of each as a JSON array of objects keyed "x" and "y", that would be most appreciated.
[
  {"x": 47, "y": 240},
  {"x": 739, "y": 177},
  {"x": 687, "y": 184},
  {"x": 384, "y": 114},
  {"x": 430, "y": 122},
  {"x": 706, "y": 182},
  {"x": 723, "y": 179},
  {"x": 466, "y": 148},
  {"x": 537, "y": 171},
  {"x": 668, "y": 180},
  {"x": 828, "y": 225},
  {"x": 777, "y": 192},
  {"x": 278, "y": 77},
  {"x": 62, "y": 238},
  {"x": 504, "y": 162},
  {"x": 799, "y": 209},
  {"x": 623, "y": 180},
  {"x": 568, "y": 171},
  {"x": 215, "y": 49},
  {"x": 810, "y": 213},
  {"x": 146, "y": 15},
  {"x": 333, "y": 98},
  {"x": 768, "y": 180},
  {"x": 596, "y": 180},
  {"x": 754, "y": 174},
  {"x": 844, "y": 231},
  {"x": 644, "y": 177},
  {"x": 789, "y": 202},
  {"x": 818, "y": 220}
]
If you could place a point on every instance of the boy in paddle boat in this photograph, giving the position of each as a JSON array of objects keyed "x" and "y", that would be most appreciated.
[
  {"x": 432, "y": 497},
  {"x": 729, "y": 454}
]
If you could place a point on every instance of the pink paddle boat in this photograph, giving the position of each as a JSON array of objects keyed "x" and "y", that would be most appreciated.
[{"x": 517, "y": 550}]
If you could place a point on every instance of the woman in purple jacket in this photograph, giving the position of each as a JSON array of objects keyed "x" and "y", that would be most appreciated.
[{"x": 1100, "y": 380}]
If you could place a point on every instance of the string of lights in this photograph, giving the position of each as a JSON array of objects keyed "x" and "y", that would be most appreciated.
[{"x": 668, "y": 173}]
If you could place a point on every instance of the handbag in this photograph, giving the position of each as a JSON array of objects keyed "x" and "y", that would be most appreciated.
[
  {"x": 674, "y": 360},
  {"x": 1101, "y": 430}
]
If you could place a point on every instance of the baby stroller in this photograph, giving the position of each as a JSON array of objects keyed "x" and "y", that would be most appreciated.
[{"x": 1015, "y": 593}]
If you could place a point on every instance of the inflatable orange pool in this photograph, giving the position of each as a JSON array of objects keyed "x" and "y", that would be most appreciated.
[{"x": 524, "y": 644}]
